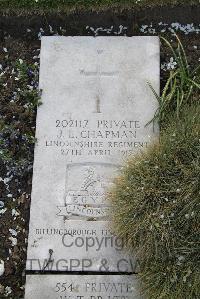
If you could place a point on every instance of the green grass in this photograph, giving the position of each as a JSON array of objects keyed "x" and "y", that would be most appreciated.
[
  {"x": 76, "y": 4},
  {"x": 156, "y": 199},
  {"x": 156, "y": 204},
  {"x": 182, "y": 86}
]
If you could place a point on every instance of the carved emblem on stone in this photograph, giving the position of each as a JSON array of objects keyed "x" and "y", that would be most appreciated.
[{"x": 86, "y": 187}]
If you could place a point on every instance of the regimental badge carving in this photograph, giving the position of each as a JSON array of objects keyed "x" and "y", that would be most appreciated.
[{"x": 85, "y": 191}]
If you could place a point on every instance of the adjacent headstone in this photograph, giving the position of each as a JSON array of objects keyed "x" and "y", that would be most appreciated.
[
  {"x": 96, "y": 104},
  {"x": 88, "y": 287}
]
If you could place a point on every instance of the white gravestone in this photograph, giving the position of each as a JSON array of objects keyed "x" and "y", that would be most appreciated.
[
  {"x": 88, "y": 287},
  {"x": 96, "y": 104}
]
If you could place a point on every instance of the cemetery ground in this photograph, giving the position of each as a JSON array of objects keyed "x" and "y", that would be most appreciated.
[
  {"x": 19, "y": 66},
  {"x": 40, "y": 6}
]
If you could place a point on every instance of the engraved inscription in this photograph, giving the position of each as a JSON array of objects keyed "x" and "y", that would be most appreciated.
[
  {"x": 107, "y": 290},
  {"x": 98, "y": 110},
  {"x": 82, "y": 287},
  {"x": 101, "y": 137},
  {"x": 99, "y": 73}
]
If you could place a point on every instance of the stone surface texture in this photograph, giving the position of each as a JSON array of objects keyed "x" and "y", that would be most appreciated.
[
  {"x": 96, "y": 104},
  {"x": 81, "y": 287}
]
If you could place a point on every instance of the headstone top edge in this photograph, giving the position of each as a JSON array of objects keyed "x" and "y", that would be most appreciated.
[{"x": 136, "y": 37}]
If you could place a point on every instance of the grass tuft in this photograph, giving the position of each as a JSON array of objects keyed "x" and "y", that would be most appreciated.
[
  {"x": 182, "y": 86},
  {"x": 156, "y": 203},
  {"x": 156, "y": 199}
]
